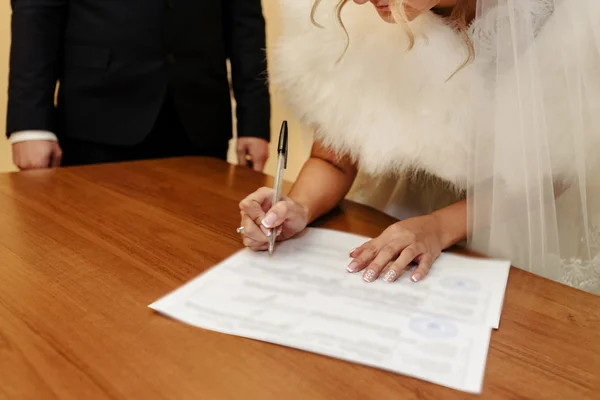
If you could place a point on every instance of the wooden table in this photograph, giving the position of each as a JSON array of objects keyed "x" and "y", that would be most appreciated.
[{"x": 83, "y": 251}]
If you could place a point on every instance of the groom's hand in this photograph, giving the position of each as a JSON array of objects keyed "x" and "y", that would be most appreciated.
[
  {"x": 254, "y": 151},
  {"x": 36, "y": 154}
]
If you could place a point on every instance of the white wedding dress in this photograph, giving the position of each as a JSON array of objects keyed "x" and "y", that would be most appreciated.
[{"x": 410, "y": 127}]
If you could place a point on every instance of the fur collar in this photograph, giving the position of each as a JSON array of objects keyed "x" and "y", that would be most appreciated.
[{"x": 389, "y": 108}]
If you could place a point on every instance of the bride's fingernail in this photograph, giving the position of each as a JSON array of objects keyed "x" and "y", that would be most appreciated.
[
  {"x": 352, "y": 266},
  {"x": 352, "y": 251},
  {"x": 266, "y": 231},
  {"x": 390, "y": 276},
  {"x": 416, "y": 277},
  {"x": 269, "y": 220},
  {"x": 369, "y": 276}
]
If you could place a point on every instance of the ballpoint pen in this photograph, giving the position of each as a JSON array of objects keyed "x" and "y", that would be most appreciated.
[{"x": 282, "y": 155}]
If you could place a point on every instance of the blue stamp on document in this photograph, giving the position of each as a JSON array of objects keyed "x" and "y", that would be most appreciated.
[
  {"x": 460, "y": 283},
  {"x": 433, "y": 328}
]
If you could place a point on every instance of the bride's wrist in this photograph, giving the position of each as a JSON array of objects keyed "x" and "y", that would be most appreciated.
[
  {"x": 304, "y": 209},
  {"x": 451, "y": 223}
]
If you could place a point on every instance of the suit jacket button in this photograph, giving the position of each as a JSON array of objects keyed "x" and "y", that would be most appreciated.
[{"x": 171, "y": 58}]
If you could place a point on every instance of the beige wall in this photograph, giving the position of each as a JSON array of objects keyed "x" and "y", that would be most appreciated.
[
  {"x": 299, "y": 141},
  {"x": 5, "y": 155}
]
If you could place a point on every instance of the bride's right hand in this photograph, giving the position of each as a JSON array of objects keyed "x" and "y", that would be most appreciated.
[{"x": 287, "y": 218}]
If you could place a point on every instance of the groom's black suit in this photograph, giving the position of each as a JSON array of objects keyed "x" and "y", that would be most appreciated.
[{"x": 136, "y": 70}]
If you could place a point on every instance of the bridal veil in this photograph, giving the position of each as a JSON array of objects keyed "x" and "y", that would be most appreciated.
[{"x": 534, "y": 177}]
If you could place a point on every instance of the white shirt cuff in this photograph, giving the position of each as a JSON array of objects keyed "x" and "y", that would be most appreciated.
[{"x": 24, "y": 136}]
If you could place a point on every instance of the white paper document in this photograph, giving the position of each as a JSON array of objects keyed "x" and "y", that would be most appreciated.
[{"x": 437, "y": 330}]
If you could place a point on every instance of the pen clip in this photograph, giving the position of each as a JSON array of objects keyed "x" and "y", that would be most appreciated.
[{"x": 282, "y": 146}]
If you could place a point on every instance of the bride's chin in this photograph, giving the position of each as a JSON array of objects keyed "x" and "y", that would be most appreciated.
[{"x": 386, "y": 16}]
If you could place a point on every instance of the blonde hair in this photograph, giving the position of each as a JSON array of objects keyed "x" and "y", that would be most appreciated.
[{"x": 460, "y": 17}]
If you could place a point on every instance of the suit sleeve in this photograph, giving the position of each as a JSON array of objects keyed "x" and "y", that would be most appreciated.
[
  {"x": 36, "y": 48},
  {"x": 246, "y": 42}
]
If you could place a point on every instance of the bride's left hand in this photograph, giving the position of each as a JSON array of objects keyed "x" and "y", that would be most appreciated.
[{"x": 416, "y": 239}]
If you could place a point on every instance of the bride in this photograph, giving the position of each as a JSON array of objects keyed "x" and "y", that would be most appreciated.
[{"x": 468, "y": 120}]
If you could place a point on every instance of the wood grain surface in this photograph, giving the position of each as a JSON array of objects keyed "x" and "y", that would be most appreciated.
[{"x": 84, "y": 250}]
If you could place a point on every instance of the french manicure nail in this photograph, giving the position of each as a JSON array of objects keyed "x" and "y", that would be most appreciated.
[
  {"x": 416, "y": 277},
  {"x": 369, "y": 276},
  {"x": 266, "y": 231},
  {"x": 353, "y": 250},
  {"x": 269, "y": 220},
  {"x": 390, "y": 276},
  {"x": 352, "y": 266}
]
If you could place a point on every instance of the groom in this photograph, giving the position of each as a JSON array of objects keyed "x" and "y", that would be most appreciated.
[{"x": 136, "y": 79}]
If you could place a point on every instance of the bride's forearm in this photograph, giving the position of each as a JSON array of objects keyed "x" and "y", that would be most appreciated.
[
  {"x": 323, "y": 182},
  {"x": 452, "y": 221}
]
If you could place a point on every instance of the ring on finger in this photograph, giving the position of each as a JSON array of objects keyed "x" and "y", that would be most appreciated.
[{"x": 240, "y": 230}]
